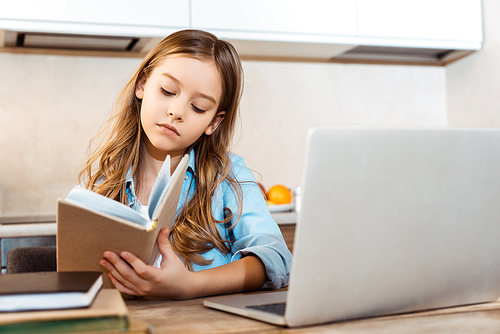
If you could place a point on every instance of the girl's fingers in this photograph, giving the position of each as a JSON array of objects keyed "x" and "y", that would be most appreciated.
[
  {"x": 121, "y": 287},
  {"x": 121, "y": 270},
  {"x": 117, "y": 265},
  {"x": 143, "y": 271},
  {"x": 118, "y": 280}
]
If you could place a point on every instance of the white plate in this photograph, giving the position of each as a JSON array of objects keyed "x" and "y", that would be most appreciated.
[{"x": 281, "y": 207}]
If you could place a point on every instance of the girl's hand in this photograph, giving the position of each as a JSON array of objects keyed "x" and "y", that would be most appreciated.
[{"x": 131, "y": 275}]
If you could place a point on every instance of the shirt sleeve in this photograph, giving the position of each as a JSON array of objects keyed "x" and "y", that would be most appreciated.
[{"x": 256, "y": 232}]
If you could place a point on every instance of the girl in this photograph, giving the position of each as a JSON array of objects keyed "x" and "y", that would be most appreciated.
[{"x": 184, "y": 98}]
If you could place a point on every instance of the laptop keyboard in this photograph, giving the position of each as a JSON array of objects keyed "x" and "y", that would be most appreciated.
[{"x": 275, "y": 308}]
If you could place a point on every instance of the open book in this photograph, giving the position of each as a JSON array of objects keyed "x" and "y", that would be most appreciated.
[
  {"x": 89, "y": 224},
  {"x": 94, "y": 201}
]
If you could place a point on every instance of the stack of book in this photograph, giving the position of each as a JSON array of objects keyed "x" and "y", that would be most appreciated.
[
  {"x": 61, "y": 302},
  {"x": 76, "y": 298}
]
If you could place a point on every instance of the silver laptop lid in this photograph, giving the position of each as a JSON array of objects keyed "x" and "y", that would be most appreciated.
[{"x": 395, "y": 220}]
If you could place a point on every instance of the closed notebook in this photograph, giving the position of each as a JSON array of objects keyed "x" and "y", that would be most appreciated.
[
  {"x": 48, "y": 290},
  {"x": 89, "y": 224},
  {"x": 107, "y": 313}
]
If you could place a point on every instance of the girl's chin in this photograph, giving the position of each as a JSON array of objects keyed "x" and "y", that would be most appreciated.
[
  {"x": 157, "y": 151},
  {"x": 164, "y": 150}
]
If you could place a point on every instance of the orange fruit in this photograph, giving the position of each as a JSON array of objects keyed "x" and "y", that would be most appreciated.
[{"x": 279, "y": 194}]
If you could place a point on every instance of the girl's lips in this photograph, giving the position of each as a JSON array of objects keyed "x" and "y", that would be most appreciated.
[{"x": 168, "y": 129}]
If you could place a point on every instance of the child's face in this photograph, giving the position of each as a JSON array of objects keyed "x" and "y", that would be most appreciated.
[{"x": 179, "y": 104}]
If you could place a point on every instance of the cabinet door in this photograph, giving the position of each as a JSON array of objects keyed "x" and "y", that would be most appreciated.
[
  {"x": 112, "y": 16},
  {"x": 421, "y": 23},
  {"x": 284, "y": 17}
]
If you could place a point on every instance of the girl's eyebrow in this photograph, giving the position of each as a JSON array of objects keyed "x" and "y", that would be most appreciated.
[
  {"x": 174, "y": 79},
  {"x": 168, "y": 75}
]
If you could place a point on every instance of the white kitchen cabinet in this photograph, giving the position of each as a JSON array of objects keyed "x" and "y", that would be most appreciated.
[
  {"x": 316, "y": 17},
  {"x": 421, "y": 31},
  {"x": 418, "y": 31},
  {"x": 151, "y": 18},
  {"x": 455, "y": 24},
  {"x": 280, "y": 27}
]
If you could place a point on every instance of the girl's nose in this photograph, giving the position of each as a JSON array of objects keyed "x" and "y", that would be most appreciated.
[{"x": 176, "y": 113}]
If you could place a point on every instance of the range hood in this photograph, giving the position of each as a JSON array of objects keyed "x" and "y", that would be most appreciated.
[
  {"x": 57, "y": 41},
  {"x": 248, "y": 49},
  {"x": 437, "y": 56}
]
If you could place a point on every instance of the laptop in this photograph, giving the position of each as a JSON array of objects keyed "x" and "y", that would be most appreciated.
[{"x": 393, "y": 220}]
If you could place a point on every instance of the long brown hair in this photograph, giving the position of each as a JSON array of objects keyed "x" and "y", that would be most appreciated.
[{"x": 195, "y": 230}]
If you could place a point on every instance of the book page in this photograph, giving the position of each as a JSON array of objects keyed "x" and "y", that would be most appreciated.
[
  {"x": 91, "y": 200},
  {"x": 99, "y": 203},
  {"x": 179, "y": 173},
  {"x": 159, "y": 187}
]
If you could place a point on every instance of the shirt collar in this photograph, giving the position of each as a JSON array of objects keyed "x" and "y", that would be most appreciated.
[
  {"x": 129, "y": 180},
  {"x": 130, "y": 187},
  {"x": 190, "y": 166}
]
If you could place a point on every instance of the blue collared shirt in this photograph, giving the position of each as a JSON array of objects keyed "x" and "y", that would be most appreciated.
[{"x": 255, "y": 233}]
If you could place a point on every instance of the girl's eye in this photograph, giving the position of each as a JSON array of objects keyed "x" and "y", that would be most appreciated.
[
  {"x": 198, "y": 110},
  {"x": 166, "y": 92}
]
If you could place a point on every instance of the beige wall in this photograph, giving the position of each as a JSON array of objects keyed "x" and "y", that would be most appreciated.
[
  {"x": 473, "y": 83},
  {"x": 283, "y": 100},
  {"x": 50, "y": 106}
]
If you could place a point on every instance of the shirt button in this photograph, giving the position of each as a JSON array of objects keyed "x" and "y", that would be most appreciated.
[{"x": 186, "y": 177}]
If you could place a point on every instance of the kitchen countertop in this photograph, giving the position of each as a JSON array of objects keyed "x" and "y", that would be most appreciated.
[
  {"x": 28, "y": 219},
  {"x": 27, "y": 226},
  {"x": 285, "y": 218},
  {"x": 27, "y": 230},
  {"x": 12, "y": 227}
]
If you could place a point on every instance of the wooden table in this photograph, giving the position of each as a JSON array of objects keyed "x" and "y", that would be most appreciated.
[{"x": 192, "y": 317}]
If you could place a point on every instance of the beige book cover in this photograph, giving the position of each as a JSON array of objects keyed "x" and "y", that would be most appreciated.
[
  {"x": 108, "y": 303},
  {"x": 87, "y": 228}
]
